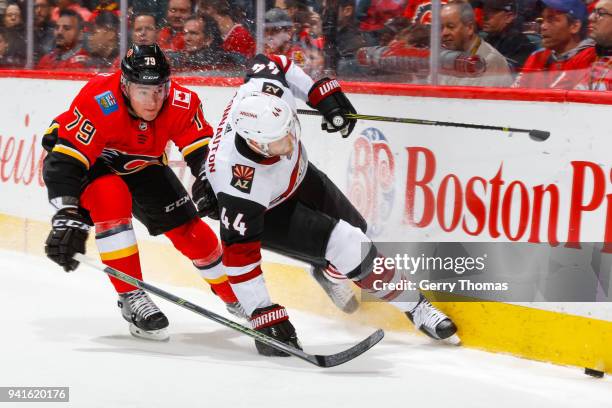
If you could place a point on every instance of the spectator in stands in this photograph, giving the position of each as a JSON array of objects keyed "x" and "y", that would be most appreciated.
[
  {"x": 307, "y": 42},
  {"x": 278, "y": 32},
  {"x": 236, "y": 37},
  {"x": 599, "y": 74},
  {"x": 349, "y": 38},
  {"x": 104, "y": 42},
  {"x": 501, "y": 29},
  {"x": 203, "y": 49},
  {"x": 12, "y": 16},
  {"x": 171, "y": 37},
  {"x": 308, "y": 28},
  {"x": 459, "y": 34},
  {"x": 73, "y": 5},
  {"x": 6, "y": 60},
  {"x": 68, "y": 53},
  {"x": 567, "y": 53},
  {"x": 44, "y": 38},
  {"x": 144, "y": 29},
  {"x": 14, "y": 33}
]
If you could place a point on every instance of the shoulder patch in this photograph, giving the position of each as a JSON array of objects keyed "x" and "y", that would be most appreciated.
[
  {"x": 242, "y": 177},
  {"x": 181, "y": 99},
  {"x": 272, "y": 89},
  {"x": 107, "y": 102}
]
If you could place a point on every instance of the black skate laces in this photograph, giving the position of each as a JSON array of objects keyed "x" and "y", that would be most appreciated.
[{"x": 141, "y": 304}]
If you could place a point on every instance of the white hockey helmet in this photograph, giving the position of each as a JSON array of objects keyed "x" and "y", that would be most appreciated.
[{"x": 264, "y": 119}]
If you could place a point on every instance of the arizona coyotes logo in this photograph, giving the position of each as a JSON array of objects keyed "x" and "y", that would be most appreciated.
[
  {"x": 125, "y": 163},
  {"x": 242, "y": 177}
]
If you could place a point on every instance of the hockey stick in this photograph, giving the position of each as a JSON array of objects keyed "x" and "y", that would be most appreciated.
[
  {"x": 537, "y": 135},
  {"x": 316, "y": 359}
]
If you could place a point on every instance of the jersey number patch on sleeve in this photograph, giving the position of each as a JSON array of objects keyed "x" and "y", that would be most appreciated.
[
  {"x": 86, "y": 129},
  {"x": 238, "y": 225},
  {"x": 270, "y": 66}
]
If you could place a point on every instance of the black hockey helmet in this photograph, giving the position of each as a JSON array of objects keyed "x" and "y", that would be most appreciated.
[{"x": 145, "y": 64}]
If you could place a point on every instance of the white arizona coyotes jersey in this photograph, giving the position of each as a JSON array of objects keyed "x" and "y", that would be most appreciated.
[{"x": 247, "y": 184}]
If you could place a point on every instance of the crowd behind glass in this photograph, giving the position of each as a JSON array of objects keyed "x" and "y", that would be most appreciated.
[{"x": 564, "y": 44}]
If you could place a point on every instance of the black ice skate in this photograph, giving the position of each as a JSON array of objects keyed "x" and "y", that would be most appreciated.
[
  {"x": 433, "y": 322},
  {"x": 338, "y": 290},
  {"x": 146, "y": 320}
]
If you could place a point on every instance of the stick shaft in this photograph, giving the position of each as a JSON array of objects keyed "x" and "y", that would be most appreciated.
[
  {"x": 147, "y": 287},
  {"x": 315, "y": 359},
  {"x": 419, "y": 121}
]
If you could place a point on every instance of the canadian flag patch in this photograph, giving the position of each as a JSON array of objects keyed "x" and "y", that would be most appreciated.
[{"x": 181, "y": 99}]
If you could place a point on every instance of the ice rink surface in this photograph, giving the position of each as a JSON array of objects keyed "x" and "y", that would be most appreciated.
[{"x": 62, "y": 329}]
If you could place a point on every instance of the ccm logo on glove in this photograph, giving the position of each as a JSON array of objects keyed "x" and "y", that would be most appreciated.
[{"x": 67, "y": 223}]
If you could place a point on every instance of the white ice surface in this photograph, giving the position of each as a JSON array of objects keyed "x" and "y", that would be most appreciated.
[{"x": 61, "y": 329}]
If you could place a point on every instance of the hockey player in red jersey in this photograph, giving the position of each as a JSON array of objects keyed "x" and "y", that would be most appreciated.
[
  {"x": 106, "y": 163},
  {"x": 270, "y": 196}
]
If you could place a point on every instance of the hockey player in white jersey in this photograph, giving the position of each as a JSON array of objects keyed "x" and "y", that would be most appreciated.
[{"x": 269, "y": 196}]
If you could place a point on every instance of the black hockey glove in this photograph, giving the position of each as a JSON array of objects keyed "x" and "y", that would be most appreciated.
[
  {"x": 274, "y": 322},
  {"x": 327, "y": 97},
  {"x": 204, "y": 197},
  {"x": 69, "y": 231}
]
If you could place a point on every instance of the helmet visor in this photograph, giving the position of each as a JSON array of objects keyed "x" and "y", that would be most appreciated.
[{"x": 147, "y": 94}]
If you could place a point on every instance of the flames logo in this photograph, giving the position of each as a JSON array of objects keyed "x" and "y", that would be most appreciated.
[
  {"x": 124, "y": 163},
  {"x": 371, "y": 179}
]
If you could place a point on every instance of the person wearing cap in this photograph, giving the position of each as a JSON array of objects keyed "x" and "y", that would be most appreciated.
[
  {"x": 500, "y": 29},
  {"x": 278, "y": 32},
  {"x": 599, "y": 74},
  {"x": 103, "y": 42},
  {"x": 567, "y": 53},
  {"x": 349, "y": 38},
  {"x": 459, "y": 34}
]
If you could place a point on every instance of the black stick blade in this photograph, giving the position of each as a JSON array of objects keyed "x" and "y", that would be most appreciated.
[
  {"x": 539, "y": 135},
  {"x": 342, "y": 357}
]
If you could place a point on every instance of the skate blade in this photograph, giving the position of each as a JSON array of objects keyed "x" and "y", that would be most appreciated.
[
  {"x": 350, "y": 306},
  {"x": 155, "y": 335},
  {"x": 453, "y": 340}
]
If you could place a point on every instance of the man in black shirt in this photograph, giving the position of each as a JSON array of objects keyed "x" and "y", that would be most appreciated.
[{"x": 501, "y": 30}]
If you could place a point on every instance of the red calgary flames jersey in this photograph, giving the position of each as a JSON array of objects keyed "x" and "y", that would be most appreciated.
[{"x": 98, "y": 125}]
